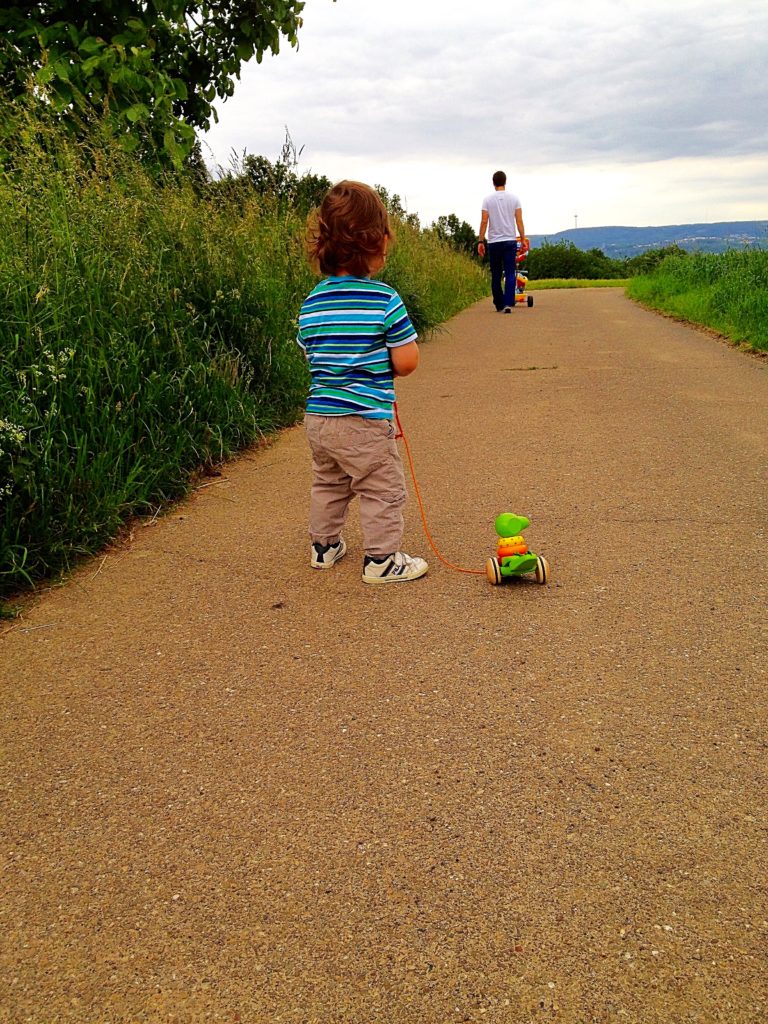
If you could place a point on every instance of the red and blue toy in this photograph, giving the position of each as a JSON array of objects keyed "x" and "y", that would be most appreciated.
[{"x": 521, "y": 296}]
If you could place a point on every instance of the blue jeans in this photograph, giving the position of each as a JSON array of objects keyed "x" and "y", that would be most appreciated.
[{"x": 503, "y": 259}]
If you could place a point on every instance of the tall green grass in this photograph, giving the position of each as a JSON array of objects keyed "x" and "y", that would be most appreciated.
[
  {"x": 434, "y": 281},
  {"x": 726, "y": 292},
  {"x": 146, "y": 332}
]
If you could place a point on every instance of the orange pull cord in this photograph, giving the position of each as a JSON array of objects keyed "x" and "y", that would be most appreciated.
[{"x": 458, "y": 568}]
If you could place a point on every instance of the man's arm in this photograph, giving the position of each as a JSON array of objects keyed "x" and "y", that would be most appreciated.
[
  {"x": 520, "y": 225},
  {"x": 481, "y": 232}
]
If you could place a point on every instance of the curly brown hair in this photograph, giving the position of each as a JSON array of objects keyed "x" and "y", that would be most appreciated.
[{"x": 349, "y": 230}]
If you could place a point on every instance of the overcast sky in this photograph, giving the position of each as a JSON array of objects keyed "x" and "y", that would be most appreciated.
[{"x": 637, "y": 112}]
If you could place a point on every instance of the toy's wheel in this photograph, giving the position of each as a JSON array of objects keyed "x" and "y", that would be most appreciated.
[
  {"x": 493, "y": 571},
  {"x": 530, "y": 300},
  {"x": 542, "y": 570}
]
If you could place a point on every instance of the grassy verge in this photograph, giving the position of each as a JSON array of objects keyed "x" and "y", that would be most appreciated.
[
  {"x": 146, "y": 332},
  {"x": 727, "y": 292},
  {"x": 566, "y": 282}
]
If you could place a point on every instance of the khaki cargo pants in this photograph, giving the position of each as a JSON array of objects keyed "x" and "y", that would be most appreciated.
[{"x": 355, "y": 455}]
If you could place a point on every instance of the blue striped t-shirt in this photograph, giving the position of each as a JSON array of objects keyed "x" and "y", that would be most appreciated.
[{"x": 346, "y": 327}]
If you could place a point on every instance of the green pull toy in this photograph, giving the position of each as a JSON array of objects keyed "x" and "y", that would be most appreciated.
[{"x": 512, "y": 555}]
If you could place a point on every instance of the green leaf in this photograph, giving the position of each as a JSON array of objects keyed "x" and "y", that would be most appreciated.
[
  {"x": 180, "y": 87},
  {"x": 137, "y": 112},
  {"x": 91, "y": 45},
  {"x": 52, "y": 33},
  {"x": 130, "y": 79},
  {"x": 61, "y": 69},
  {"x": 171, "y": 146},
  {"x": 186, "y": 131},
  {"x": 62, "y": 95},
  {"x": 90, "y": 65}
]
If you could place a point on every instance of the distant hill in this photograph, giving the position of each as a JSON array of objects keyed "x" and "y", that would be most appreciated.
[{"x": 619, "y": 242}]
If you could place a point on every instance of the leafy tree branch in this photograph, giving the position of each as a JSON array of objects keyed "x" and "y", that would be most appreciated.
[{"x": 154, "y": 68}]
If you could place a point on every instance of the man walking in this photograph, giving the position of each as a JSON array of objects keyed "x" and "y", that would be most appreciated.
[{"x": 503, "y": 220}]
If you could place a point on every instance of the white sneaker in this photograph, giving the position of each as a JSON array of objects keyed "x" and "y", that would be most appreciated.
[
  {"x": 394, "y": 568},
  {"x": 326, "y": 555}
]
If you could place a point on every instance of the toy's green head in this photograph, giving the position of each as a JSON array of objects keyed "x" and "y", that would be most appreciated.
[{"x": 509, "y": 525}]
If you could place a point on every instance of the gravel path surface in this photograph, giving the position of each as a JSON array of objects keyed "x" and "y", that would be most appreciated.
[{"x": 236, "y": 789}]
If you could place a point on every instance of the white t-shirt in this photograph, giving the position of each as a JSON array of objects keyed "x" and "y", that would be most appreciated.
[{"x": 500, "y": 207}]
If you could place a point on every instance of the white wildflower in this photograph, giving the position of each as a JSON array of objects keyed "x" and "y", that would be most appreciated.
[{"x": 12, "y": 433}]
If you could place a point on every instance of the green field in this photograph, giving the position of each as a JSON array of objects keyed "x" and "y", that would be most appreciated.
[
  {"x": 727, "y": 293},
  {"x": 565, "y": 282}
]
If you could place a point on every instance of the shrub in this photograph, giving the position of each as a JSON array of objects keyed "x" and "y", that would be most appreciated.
[{"x": 565, "y": 260}]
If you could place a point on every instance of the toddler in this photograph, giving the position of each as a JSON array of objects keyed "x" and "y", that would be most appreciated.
[{"x": 356, "y": 335}]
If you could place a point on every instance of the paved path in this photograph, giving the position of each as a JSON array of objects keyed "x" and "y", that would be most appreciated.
[{"x": 239, "y": 790}]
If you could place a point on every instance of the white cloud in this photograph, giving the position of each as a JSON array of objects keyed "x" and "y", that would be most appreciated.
[{"x": 605, "y": 105}]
